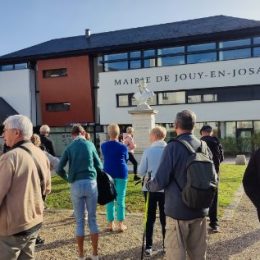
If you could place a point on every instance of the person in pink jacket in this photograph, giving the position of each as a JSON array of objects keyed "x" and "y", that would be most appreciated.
[{"x": 130, "y": 143}]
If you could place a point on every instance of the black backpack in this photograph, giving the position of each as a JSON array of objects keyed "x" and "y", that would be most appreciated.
[
  {"x": 106, "y": 188},
  {"x": 202, "y": 179}
]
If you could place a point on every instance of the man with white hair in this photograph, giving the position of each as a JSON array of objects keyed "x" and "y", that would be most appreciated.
[
  {"x": 45, "y": 141},
  {"x": 24, "y": 179}
]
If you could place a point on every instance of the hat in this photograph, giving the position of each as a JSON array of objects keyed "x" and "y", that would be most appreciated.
[{"x": 206, "y": 128}]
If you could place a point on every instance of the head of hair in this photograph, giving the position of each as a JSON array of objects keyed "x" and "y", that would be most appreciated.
[
  {"x": 22, "y": 123},
  {"x": 129, "y": 129},
  {"x": 36, "y": 140},
  {"x": 113, "y": 130},
  {"x": 186, "y": 120},
  {"x": 159, "y": 132},
  {"x": 44, "y": 129},
  {"x": 206, "y": 128},
  {"x": 77, "y": 129}
]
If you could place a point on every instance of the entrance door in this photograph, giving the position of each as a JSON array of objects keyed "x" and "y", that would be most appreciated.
[{"x": 244, "y": 139}]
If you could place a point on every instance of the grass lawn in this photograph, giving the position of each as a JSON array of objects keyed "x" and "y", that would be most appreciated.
[{"x": 230, "y": 176}]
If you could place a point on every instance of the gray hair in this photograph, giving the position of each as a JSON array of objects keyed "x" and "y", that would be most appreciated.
[
  {"x": 129, "y": 130},
  {"x": 44, "y": 129},
  {"x": 186, "y": 120},
  {"x": 22, "y": 123}
]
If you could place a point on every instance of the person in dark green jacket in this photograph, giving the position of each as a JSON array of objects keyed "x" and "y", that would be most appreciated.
[{"x": 84, "y": 162}]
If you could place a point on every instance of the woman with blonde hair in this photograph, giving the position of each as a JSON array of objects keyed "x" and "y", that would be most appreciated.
[{"x": 115, "y": 164}]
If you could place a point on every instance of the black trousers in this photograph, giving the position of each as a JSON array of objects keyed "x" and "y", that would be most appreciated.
[
  {"x": 154, "y": 199},
  {"x": 133, "y": 161},
  {"x": 213, "y": 210}
]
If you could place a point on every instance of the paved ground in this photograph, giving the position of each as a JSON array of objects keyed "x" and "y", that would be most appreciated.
[{"x": 239, "y": 240}]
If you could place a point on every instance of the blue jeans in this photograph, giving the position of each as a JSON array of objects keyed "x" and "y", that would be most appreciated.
[
  {"x": 84, "y": 195},
  {"x": 121, "y": 185}
]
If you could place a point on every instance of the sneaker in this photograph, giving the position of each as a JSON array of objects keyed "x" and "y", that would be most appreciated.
[
  {"x": 148, "y": 252},
  {"x": 137, "y": 178},
  {"x": 215, "y": 229}
]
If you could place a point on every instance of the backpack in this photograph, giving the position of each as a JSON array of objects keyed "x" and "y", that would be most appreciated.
[
  {"x": 106, "y": 188},
  {"x": 202, "y": 179}
]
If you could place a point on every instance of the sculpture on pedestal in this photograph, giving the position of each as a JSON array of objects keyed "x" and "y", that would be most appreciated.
[{"x": 142, "y": 96}]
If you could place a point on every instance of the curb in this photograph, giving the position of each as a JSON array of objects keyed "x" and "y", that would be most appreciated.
[{"x": 230, "y": 210}]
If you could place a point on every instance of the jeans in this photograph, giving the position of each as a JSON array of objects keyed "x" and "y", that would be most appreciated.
[
  {"x": 133, "y": 161},
  {"x": 213, "y": 212},
  {"x": 154, "y": 199},
  {"x": 120, "y": 185},
  {"x": 18, "y": 247},
  {"x": 84, "y": 194}
]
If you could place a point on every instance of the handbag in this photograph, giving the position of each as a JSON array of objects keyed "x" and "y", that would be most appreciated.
[{"x": 106, "y": 188}]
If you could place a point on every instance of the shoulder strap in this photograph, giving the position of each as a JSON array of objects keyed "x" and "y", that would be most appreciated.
[
  {"x": 186, "y": 144},
  {"x": 37, "y": 166}
]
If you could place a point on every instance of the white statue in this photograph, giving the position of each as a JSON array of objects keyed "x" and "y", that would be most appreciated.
[{"x": 143, "y": 95}]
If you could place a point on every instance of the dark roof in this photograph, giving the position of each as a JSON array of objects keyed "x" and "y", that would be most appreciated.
[
  {"x": 113, "y": 40},
  {"x": 6, "y": 110}
]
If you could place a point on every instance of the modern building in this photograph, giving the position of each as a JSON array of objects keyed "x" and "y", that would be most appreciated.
[{"x": 209, "y": 65}]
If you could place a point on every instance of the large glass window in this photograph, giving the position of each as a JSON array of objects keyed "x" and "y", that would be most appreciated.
[
  {"x": 202, "y": 57},
  {"x": 149, "y": 53},
  {"x": 234, "y": 43},
  {"x": 235, "y": 54},
  {"x": 7, "y": 67},
  {"x": 135, "y": 54},
  {"x": 230, "y": 129},
  {"x": 210, "y": 98},
  {"x": 257, "y": 126},
  {"x": 172, "y": 50},
  {"x": 256, "y": 40},
  {"x": 115, "y": 66},
  {"x": 20, "y": 66},
  {"x": 149, "y": 63},
  {"x": 244, "y": 124},
  {"x": 135, "y": 64},
  {"x": 201, "y": 47},
  {"x": 117, "y": 56},
  {"x": 170, "y": 61},
  {"x": 256, "y": 51},
  {"x": 165, "y": 98}
]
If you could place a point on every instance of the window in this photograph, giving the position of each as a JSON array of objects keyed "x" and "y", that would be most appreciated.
[
  {"x": 194, "y": 99},
  {"x": 58, "y": 107},
  {"x": 54, "y": 73},
  {"x": 210, "y": 98},
  {"x": 115, "y": 66},
  {"x": 170, "y": 61},
  {"x": 256, "y": 52},
  {"x": 230, "y": 129},
  {"x": 135, "y": 64},
  {"x": 7, "y": 67},
  {"x": 257, "y": 126},
  {"x": 117, "y": 56},
  {"x": 172, "y": 50},
  {"x": 234, "y": 43},
  {"x": 123, "y": 100},
  {"x": 149, "y": 53},
  {"x": 202, "y": 57},
  {"x": 149, "y": 63},
  {"x": 20, "y": 66},
  {"x": 235, "y": 54},
  {"x": 135, "y": 54},
  {"x": 165, "y": 98},
  {"x": 201, "y": 47},
  {"x": 244, "y": 124}
]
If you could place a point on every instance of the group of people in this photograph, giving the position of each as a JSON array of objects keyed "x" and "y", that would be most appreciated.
[{"x": 25, "y": 180}]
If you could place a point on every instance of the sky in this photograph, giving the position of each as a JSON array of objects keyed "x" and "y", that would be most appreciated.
[{"x": 24, "y": 23}]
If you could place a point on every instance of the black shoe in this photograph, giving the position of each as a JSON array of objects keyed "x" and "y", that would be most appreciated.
[
  {"x": 215, "y": 229},
  {"x": 39, "y": 241},
  {"x": 136, "y": 178}
]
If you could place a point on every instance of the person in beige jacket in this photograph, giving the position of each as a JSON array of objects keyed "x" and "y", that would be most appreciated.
[{"x": 21, "y": 190}]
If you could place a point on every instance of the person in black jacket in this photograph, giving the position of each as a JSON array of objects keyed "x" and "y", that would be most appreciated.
[
  {"x": 251, "y": 180},
  {"x": 45, "y": 141},
  {"x": 218, "y": 156}
]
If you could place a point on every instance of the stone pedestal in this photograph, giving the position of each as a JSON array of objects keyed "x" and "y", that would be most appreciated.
[
  {"x": 240, "y": 159},
  {"x": 142, "y": 121}
]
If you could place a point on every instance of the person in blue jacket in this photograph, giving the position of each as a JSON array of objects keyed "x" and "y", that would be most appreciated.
[{"x": 115, "y": 164}]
